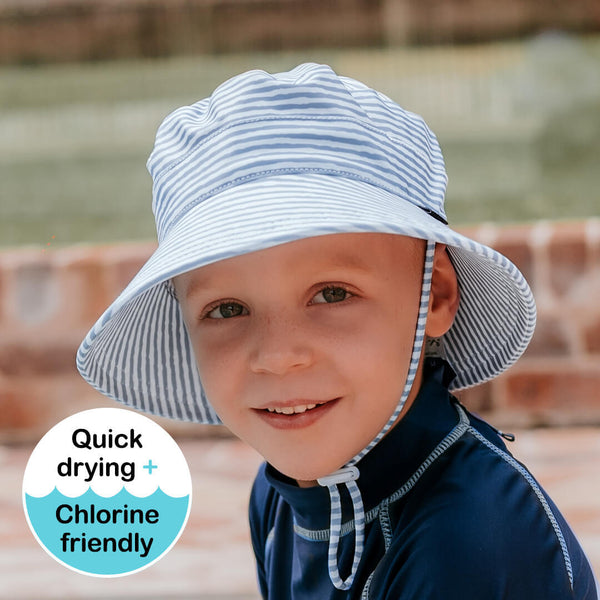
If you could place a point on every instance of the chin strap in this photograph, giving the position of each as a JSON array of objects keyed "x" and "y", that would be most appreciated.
[
  {"x": 348, "y": 474},
  {"x": 345, "y": 476}
]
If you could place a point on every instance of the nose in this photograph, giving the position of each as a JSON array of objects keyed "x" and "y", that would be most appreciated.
[{"x": 281, "y": 345}]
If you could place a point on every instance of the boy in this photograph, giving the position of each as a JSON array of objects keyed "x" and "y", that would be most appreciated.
[{"x": 308, "y": 293}]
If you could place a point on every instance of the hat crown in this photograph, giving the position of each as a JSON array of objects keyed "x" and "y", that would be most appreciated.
[{"x": 308, "y": 120}]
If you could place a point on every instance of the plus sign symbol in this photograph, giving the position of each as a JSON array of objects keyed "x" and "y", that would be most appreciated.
[{"x": 150, "y": 467}]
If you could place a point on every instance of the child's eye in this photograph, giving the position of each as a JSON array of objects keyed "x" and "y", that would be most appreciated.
[
  {"x": 226, "y": 310},
  {"x": 331, "y": 294}
]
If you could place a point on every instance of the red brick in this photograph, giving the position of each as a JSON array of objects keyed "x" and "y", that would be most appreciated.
[
  {"x": 478, "y": 399},
  {"x": 592, "y": 337},
  {"x": 84, "y": 289},
  {"x": 35, "y": 295},
  {"x": 567, "y": 254},
  {"x": 30, "y": 406},
  {"x": 513, "y": 242},
  {"x": 122, "y": 262},
  {"x": 16, "y": 409},
  {"x": 566, "y": 389},
  {"x": 549, "y": 339},
  {"x": 3, "y": 293},
  {"x": 38, "y": 358},
  {"x": 593, "y": 239}
]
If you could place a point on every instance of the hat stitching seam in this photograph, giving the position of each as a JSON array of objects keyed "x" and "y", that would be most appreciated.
[{"x": 282, "y": 171}]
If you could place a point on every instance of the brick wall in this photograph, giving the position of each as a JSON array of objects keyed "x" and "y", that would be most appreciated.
[
  {"x": 557, "y": 381},
  {"x": 50, "y": 297},
  {"x": 59, "y": 30}
]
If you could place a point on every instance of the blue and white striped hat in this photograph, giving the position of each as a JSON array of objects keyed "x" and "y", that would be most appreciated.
[{"x": 272, "y": 158}]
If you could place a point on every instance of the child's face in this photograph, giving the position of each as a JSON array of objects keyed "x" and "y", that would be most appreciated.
[{"x": 322, "y": 328}]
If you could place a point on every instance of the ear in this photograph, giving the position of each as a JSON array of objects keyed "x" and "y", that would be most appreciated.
[{"x": 444, "y": 297}]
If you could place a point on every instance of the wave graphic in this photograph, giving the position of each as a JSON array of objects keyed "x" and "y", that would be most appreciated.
[{"x": 107, "y": 536}]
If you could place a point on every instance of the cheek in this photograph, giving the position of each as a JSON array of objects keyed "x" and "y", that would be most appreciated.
[
  {"x": 383, "y": 351},
  {"x": 389, "y": 331},
  {"x": 219, "y": 366}
]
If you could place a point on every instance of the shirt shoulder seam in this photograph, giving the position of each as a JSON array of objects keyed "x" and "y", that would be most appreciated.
[{"x": 510, "y": 460}]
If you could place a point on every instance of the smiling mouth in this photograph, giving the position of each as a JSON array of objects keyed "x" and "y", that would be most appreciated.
[
  {"x": 296, "y": 416},
  {"x": 293, "y": 410}
]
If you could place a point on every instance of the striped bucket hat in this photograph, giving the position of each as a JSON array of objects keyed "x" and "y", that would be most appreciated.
[
  {"x": 269, "y": 159},
  {"x": 272, "y": 158}
]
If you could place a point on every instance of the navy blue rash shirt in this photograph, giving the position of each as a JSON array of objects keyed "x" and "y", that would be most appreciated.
[{"x": 451, "y": 515}]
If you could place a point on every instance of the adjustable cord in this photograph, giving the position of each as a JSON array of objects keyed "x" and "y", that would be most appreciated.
[{"x": 345, "y": 476}]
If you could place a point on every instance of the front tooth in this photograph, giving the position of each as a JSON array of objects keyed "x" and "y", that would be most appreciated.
[{"x": 290, "y": 410}]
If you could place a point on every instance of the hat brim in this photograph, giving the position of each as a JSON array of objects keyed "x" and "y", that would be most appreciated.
[{"x": 139, "y": 352}]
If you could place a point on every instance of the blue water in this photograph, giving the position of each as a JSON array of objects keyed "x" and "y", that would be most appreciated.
[{"x": 111, "y": 548}]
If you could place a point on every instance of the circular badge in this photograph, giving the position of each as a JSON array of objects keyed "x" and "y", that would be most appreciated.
[{"x": 107, "y": 492}]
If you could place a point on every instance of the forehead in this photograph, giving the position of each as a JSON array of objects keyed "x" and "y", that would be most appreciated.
[{"x": 368, "y": 253}]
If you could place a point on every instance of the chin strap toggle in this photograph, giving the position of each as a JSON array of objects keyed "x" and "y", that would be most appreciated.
[{"x": 345, "y": 476}]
